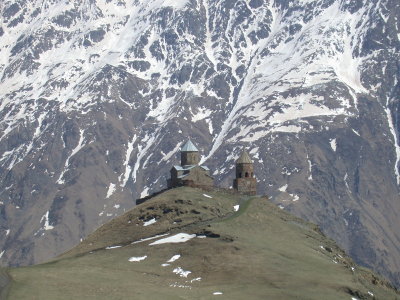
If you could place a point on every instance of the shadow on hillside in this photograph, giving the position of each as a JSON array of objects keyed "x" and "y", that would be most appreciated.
[{"x": 5, "y": 281}]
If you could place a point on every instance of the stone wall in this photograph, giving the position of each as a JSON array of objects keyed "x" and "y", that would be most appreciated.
[{"x": 245, "y": 185}]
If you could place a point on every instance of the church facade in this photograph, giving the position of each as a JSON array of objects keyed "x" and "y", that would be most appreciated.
[{"x": 189, "y": 172}]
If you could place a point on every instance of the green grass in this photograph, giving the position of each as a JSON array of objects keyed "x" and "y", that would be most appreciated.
[{"x": 261, "y": 253}]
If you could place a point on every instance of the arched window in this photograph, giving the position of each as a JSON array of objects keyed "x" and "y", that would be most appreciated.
[
  {"x": 240, "y": 175},
  {"x": 246, "y": 174}
]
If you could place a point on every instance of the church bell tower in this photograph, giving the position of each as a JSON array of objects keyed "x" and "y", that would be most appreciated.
[
  {"x": 245, "y": 182},
  {"x": 189, "y": 155}
]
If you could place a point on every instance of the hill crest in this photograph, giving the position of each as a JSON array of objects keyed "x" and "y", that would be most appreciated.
[{"x": 186, "y": 243}]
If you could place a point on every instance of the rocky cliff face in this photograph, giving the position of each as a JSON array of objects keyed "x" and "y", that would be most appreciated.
[{"x": 96, "y": 97}]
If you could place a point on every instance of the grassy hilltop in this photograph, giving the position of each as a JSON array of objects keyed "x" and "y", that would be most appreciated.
[{"x": 237, "y": 247}]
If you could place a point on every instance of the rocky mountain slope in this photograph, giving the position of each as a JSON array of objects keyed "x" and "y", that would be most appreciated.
[
  {"x": 189, "y": 244},
  {"x": 97, "y": 96}
]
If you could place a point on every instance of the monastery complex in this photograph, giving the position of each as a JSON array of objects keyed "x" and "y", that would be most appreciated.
[{"x": 191, "y": 173}]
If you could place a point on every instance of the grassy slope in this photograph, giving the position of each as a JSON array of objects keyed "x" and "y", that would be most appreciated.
[{"x": 261, "y": 253}]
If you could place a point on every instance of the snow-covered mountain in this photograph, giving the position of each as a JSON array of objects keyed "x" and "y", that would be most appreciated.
[{"x": 97, "y": 96}]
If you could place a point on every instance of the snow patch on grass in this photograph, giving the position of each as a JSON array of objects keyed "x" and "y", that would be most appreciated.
[
  {"x": 174, "y": 258},
  {"x": 181, "y": 272},
  {"x": 182, "y": 286},
  {"x": 113, "y": 247},
  {"x": 149, "y": 238},
  {"x": 150, "y": 222},
  {"x": 177, "y": 238},
  {"x": 136, "y": 259}
]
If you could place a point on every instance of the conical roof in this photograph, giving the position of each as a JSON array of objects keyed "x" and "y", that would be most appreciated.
[
  {"x": 244, "y": 158},
  {"x": 189, "y": 147}
]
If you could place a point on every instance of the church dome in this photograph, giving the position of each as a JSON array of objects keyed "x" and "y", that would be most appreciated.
[
  {"x": 244, "y": 158},
  {"x": 189, "y": 147}
]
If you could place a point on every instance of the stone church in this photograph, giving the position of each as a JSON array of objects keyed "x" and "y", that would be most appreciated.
[{"x": 190, "y": 173}]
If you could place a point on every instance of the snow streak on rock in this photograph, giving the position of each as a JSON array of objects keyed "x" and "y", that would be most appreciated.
[
  {"x": 124, "y": 177},
  {"x": 74, "y": 151},
  {"x": 45, "y": 219}
]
